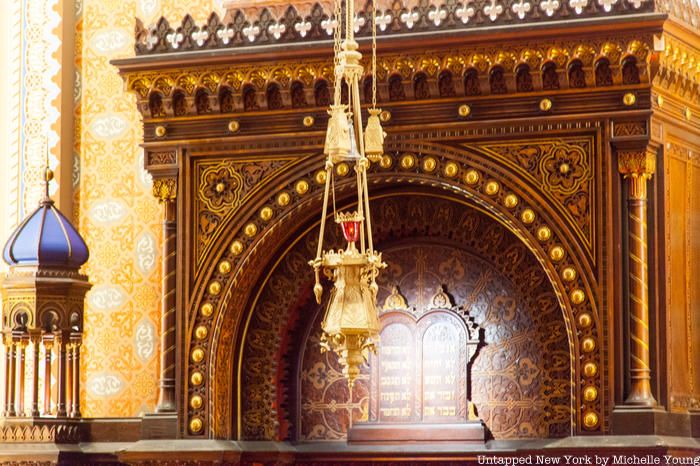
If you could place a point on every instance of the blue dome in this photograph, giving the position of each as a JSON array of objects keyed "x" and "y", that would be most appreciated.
[{"x": 46, "y": 238}]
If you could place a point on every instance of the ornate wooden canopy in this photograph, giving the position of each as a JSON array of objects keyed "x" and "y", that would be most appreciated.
[{"x": 534, "y": 115}]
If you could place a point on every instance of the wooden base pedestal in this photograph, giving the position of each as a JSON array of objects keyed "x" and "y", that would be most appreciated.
[
  {"x": 467, "y": 432},
  {"x": 654, "y": 421}
]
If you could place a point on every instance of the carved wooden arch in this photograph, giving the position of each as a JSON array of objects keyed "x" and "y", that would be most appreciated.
[
  {"x": 447, "y": 232},
  {"x": 215, "y": 316}
]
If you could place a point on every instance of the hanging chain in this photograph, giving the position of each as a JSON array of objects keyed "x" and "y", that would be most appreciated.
[
  {"x": 374, "y": 54},
  {"x": 335, "y": 210},
  {"x": 336, "y": 51}
]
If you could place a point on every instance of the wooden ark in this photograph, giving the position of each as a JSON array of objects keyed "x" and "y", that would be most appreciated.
[{"x": 539, "y": 181}]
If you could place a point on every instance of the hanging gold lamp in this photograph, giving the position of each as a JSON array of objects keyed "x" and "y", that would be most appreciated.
[{"x": 351, "y": 322}]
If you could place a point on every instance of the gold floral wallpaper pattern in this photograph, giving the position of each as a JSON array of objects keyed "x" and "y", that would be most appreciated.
[{"x": 118, "y": 216}]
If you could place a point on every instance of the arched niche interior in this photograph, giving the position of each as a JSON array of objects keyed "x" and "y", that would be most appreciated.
[{"x": 520, "y": 379}]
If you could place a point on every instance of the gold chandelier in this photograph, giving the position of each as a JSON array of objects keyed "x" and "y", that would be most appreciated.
[{"x": 351, "y": 324}]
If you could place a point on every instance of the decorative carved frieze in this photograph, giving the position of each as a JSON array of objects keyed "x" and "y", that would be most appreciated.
[
  {"x": 50, "y": 432},
  {"x": 679, "y": 69},
  {"x": 467, "y": 73},
  {"x": 253, "y": 27},
  {"x": 161, "y": 158}
]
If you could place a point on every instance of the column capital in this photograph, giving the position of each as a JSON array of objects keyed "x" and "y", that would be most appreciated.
[
  {"x": 165, "y": 189},
  {"x": 639, "y": 162},
  {"x": 637, "y": 166}
]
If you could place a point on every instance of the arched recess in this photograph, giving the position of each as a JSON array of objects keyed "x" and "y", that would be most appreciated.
[
  {"x": 521, "y": 377},
  {"x": 221, "y": 309}
]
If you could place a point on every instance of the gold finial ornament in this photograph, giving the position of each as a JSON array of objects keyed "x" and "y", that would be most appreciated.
[
  {"x": 451, "y": 169},
  {"x": 585, "y": 320},
  {"x": 250, "y": 230},
  {"x": 342, "y": 169},
  {"x": 197, "y": 355},
  {"x": 386, "y": 161},
  {"x": 195, "y": 425},
  {"x": 283, "y": 199},
  {"x": 302, "y": 187},
  {"x": 196, "y": 378},
  {"x": 196, "y": 402},
  {"x": 569, "y": 274},
  {"x": 408, "y": 161},
  {"x": 492, "y": 188},
  {"x": 556, "y": 253},
  {"x": 590, "y": 369},
  {"x": 528, "y": 216},
  {"x": 351, "y": 322},
  {"x": 544, "y": 233},
  {"x": 236, "y": 248},
  {"x": 207, "y": 309},
  {"x": 578, "y": 296},
  {"x": 215, "y": 288},
  {"x": 590, "y": 393},
  {"x": 590, "y": 420},
  {"x": 201, "y": 332},
  {"x": 472, "y": 177}
]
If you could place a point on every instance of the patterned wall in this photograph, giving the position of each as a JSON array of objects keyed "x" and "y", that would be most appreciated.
[{"x": 118, "y": 215}]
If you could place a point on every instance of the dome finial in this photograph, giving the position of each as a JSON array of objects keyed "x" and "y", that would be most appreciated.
[{"x": 48, "y": 175}]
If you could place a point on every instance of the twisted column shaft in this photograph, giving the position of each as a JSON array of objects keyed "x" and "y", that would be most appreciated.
[
  {"x": 166, "y": 395},
  {"x": 637, "y": 167}
]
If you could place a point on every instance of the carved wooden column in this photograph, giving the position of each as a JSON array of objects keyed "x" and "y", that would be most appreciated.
[
  {"x": 21, "y": 350},
  {"x": 165, "y": 189},
  {"x": 62, "y": 370},
  {"x": 36, "y": 340},
  {"x": 47, "y": 376},
  {"x": 75, "y": 383},
  {"x": 10, "y": 393},
  {"x": 8, "y": 374},
  {"x": 637, "y": 167}
]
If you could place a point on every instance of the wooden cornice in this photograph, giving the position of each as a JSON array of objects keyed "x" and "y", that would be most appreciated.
[{"x": 550, "y": 32}]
